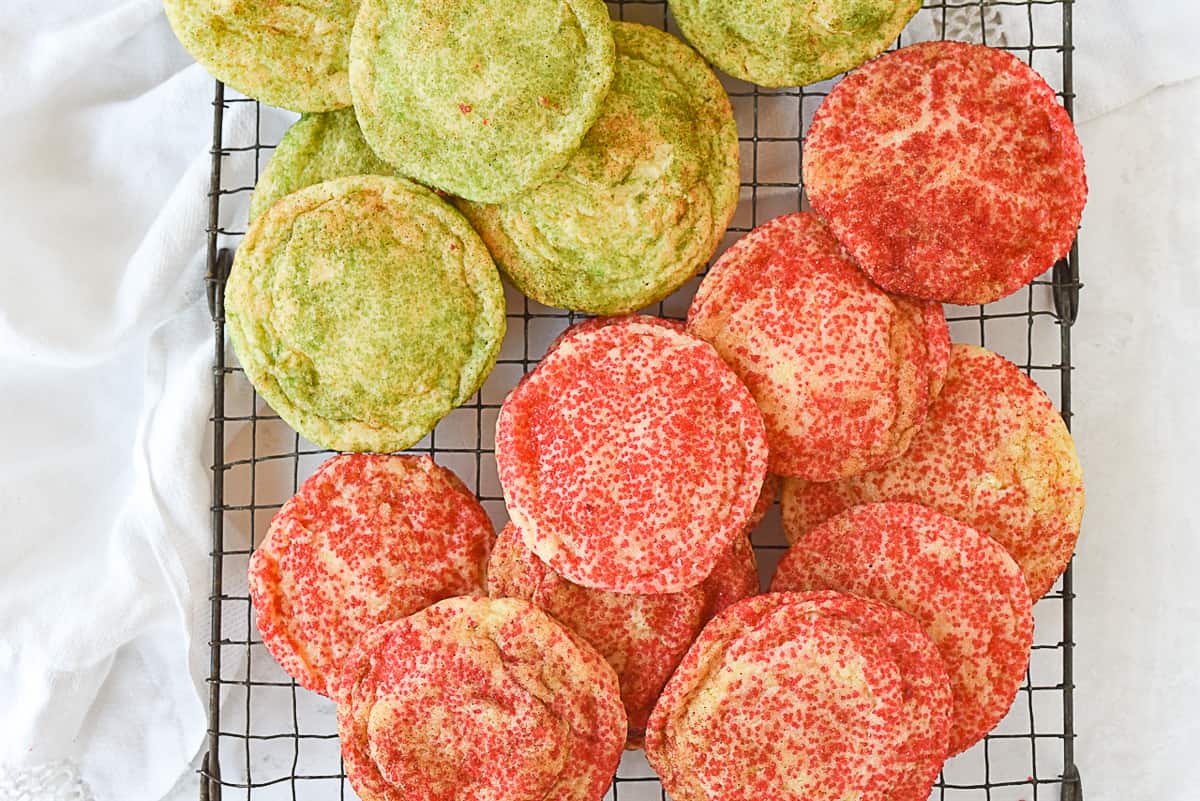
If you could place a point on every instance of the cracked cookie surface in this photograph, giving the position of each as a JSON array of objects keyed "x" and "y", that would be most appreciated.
[
  {"x": 478, "y": 699},
  {"x": 318, "y": 147},
  {"x": 643, "y": 203},
  {"x": 479, "y": 98},
  {"x": 290, "y": 54},
  {"x": 642, "y": 636},
  {"x": 964, "y": 589},
  {"x": 364, "y": 309},
  {"x": 776, "y": 700},
  {"x": 948, "y": 170},
  {"x": 994, "y": 454},
  {"x": 842, "y": 371},
  {"x": 779, "y": 43},
  {"x": 367, "y": 538},
  {"x": 631, "y": 456}
]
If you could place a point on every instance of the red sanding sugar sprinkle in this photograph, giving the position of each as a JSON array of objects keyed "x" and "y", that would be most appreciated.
[
  {"x": 643, "y": 637},
  {"x": 477, "y": 698},
  {"x": 948, "y": 170},
  {"x": 631, "y": 456},
  {"x": 842, "y": 371},
  {"x": 776, "y": 700},
  {"x": 368, "y": 538},
  {"x": 924, "y": 729},
  {"x": 965, "y": 590},
  {"x": 994, "y": 454}
]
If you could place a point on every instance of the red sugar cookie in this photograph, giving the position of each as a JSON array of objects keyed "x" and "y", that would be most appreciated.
[
  {"x": 842, "y": 371},
  {"x": 476, "y": 698},
  {"x": 775, "y": 700},
  {"x": 960, "y": 584},
  {"x": 643, "y": 637},
  {"x": 925, "y": 688},
  {"x": 631, "y": 456},
  {"x": 368, "y": 538},
  {"x": 948, "y": 170},
  {"x": 994, "y": 454}
]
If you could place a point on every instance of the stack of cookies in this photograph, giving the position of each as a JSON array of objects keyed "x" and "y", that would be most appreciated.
[{"x": 930, "y": 490}]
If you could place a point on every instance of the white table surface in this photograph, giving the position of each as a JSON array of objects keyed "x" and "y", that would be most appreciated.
[{"x": 1136, "y": 391}]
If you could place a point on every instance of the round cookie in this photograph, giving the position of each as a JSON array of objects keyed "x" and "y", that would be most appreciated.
[
  {"x": 925, "y": 688},
  {"x": 367, "y": 539},
  {"x": 363, "y": 310},
  {"x": 948, "y": 170},
  {"x": 778, "y": 701},
  {"x": 964, "y": 589},
  {"x": 642, "y": 204},
  {"x": 290, "y": 54},
  {"x": 643, "y": 637},
  {"x": 994, "y": 454},
  {"x": 477, "y": 698},
  {"x": 480, "y": 98},
  {"x": 842, "y": 371},
  {"x": 631, "y": 456},
  {"x": 318, "y": 147},
  {"x": 790, "y": 42}
]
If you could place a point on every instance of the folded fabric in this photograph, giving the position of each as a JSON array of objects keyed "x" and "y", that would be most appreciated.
[{"x": 105, "y": 354}]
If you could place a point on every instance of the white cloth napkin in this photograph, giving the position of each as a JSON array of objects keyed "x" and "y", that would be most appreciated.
[
  {"x": 105, "y": 385},
  {"x": 104, "y": 351}
]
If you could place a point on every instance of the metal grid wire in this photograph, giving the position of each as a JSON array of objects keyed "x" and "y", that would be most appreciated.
[{"x": 269, "y": 739}]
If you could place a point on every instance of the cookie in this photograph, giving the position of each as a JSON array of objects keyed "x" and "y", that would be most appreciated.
[
  {"x": 366, "y": 539},
  {"x": 642, "y": 204},
  {"x": 318, "y": 147},
  {"x": 965, "y": 590},
  {"x": 476, "y": 698},
  {"x": 842, "y": 371},
  {"x": 789, "y": 42},
  {"x": 363, "y": 310},
  {"x": 948, "y": 170},
  {"x": 289, "y": 54},
  {"x": 631, "y": 456},
  {"x": 643, "y": 637},
  {"x": 480, "y": 98},
  {"x": 994, "y": 454},
  {"x": 925, "y": 688},
  {"x": 776, "y": 701}
]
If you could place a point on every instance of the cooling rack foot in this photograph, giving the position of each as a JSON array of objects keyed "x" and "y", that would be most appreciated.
[
  {"x": 210, "y": 788},
  {"x": 1072, "y": 787},
  {"x": 1065, "y": 289}
]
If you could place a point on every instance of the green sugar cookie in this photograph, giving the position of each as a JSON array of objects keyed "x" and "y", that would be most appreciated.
[
  {"x": 364, "y": 309},
  {"x": 287, "y": 53},
  {"x": 790, "y": 42},
  {"x": 318, "y": 147},
  {"x": 479, "y": 98},
  {"x": 643, "y": 203}
]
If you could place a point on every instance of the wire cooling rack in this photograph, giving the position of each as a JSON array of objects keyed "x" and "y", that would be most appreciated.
[{"x": 269, "y": 739}]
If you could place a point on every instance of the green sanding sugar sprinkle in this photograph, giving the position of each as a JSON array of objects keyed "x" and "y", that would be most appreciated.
[
  {"x": 318, "y": 147},
  {"x": 479, "y": 98},
  {"x": 790, "y": 42},
  {"x": 642, "y": 205},
  {"x": 287, "y": 53},
  {"x": 363, "y": 310}
]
